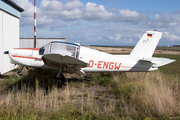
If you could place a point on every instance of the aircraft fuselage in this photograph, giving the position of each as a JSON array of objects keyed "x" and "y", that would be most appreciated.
[{"x": 98, "y": 61}]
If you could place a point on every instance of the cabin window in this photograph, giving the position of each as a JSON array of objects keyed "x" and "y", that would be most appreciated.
[{"x": 60, "y": 48}]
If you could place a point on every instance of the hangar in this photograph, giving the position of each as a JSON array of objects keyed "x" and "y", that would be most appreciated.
[{"x": 10, "y": 15}]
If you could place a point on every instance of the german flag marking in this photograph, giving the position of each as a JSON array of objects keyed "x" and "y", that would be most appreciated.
[{"x": 149, "y": 35}]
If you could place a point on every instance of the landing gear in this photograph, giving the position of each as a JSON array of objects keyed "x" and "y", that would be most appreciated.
[
  {"x": 19, "y": 70},
  {"x": 60, "y": 80}
]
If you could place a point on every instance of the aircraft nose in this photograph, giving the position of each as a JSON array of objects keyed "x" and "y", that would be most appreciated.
[{"x": 6, "y": 52}]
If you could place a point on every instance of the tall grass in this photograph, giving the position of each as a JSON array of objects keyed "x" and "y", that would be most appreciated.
[
  {"x": 127, "y": 96},
  {"x": 147, "y": 94},
  {"x": 31, "y": 100},
  {"x": 25, "y": 104}
]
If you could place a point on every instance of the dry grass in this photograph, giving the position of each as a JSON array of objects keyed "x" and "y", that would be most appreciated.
[
  {"x": 152, "y": 94},
  {"x": 131, "y": 96},
  {"x": 69, "y": 101}
]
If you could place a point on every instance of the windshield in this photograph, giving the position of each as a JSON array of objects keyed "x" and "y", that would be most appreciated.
[{"x": 60, "y": 48}]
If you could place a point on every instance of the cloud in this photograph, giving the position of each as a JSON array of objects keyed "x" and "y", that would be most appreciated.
[
  {"x": 126, "y": 15},
  {"x": 70, "y": 15},
  {"x": 116, "y": 37},
  {"x": 171, "y": 37},
  {"x": 54, "y": 5},
  {"x": 70, "y": 11},
  {"x": 73, "y": 5},
  {"x": 96, "y": 12},
  {"x": 163, "y": 21},
  {"x": 45, "y": 21}
]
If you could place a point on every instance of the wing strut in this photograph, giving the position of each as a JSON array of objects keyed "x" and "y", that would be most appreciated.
[{"x": 59, "y": 73}]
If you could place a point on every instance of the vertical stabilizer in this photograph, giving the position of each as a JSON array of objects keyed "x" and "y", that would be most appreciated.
[{"x": 146, "y": 45}]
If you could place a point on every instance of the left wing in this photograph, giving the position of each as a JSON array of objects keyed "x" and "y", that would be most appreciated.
[{"x": 68, "y": 62}]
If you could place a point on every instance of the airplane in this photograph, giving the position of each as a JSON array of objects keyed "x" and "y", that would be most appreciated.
[{"x": 71, "y": 58}]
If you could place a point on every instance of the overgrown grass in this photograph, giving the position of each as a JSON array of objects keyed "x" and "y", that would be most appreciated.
[
  {"x": 99, "y": 79},
  {"x": 26, "y": 104},
  {"x": 150, "y": 95},
  {"x": 131, "y": 96},
  {"x": 36, "y": 102}
]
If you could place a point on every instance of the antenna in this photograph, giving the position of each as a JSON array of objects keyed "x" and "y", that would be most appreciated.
[{"x": 34, "y": 23}]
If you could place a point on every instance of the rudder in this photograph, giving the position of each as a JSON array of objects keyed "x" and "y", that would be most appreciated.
[{"x": 146, "y": 45}]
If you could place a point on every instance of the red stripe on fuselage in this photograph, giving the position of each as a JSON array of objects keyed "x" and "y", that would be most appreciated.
[
  {"x": 36, "y": 49},
  {"x": 19, "y": 56}
]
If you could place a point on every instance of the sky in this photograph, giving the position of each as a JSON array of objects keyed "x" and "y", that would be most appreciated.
[{"x": 101, "y": 22}]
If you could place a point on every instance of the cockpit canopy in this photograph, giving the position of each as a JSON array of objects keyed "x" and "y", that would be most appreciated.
[{"x": 63, "y": 48}]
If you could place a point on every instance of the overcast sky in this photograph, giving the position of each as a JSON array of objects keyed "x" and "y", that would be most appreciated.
[{"x": 102, "y": 22}]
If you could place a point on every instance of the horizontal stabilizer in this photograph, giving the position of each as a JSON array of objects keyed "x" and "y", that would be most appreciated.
[
  {"x": 157, "y": 62},
  {"x": 56, "y": 60}
]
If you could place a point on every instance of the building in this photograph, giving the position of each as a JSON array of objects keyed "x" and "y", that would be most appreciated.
[
  {"x": 10, "y": 15},
  {"x": 29, "y": 42}
]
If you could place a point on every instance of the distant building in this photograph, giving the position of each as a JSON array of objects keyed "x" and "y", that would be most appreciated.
[
  {"x": 29, "y": 42},
  {"x": 10, "y": 13}
]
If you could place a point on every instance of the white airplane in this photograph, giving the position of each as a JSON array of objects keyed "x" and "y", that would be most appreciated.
[{"x": 68, "y": 57}]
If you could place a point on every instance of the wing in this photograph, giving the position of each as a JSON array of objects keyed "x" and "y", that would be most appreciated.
[{"x": 68, "y": 62}]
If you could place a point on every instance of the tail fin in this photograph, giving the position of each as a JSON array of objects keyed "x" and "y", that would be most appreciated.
[{"x": 146, "y": 45}]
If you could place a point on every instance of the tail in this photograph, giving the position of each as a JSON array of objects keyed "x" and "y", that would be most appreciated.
[{"x": 146, "y": 45}]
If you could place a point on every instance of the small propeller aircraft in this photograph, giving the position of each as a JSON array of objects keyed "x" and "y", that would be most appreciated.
[{"x": 68, "y": 57}]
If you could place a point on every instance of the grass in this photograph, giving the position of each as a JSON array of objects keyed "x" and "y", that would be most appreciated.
[
  {"x": 151, "y": 95},
  {"x": 104, "y": 96}
]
